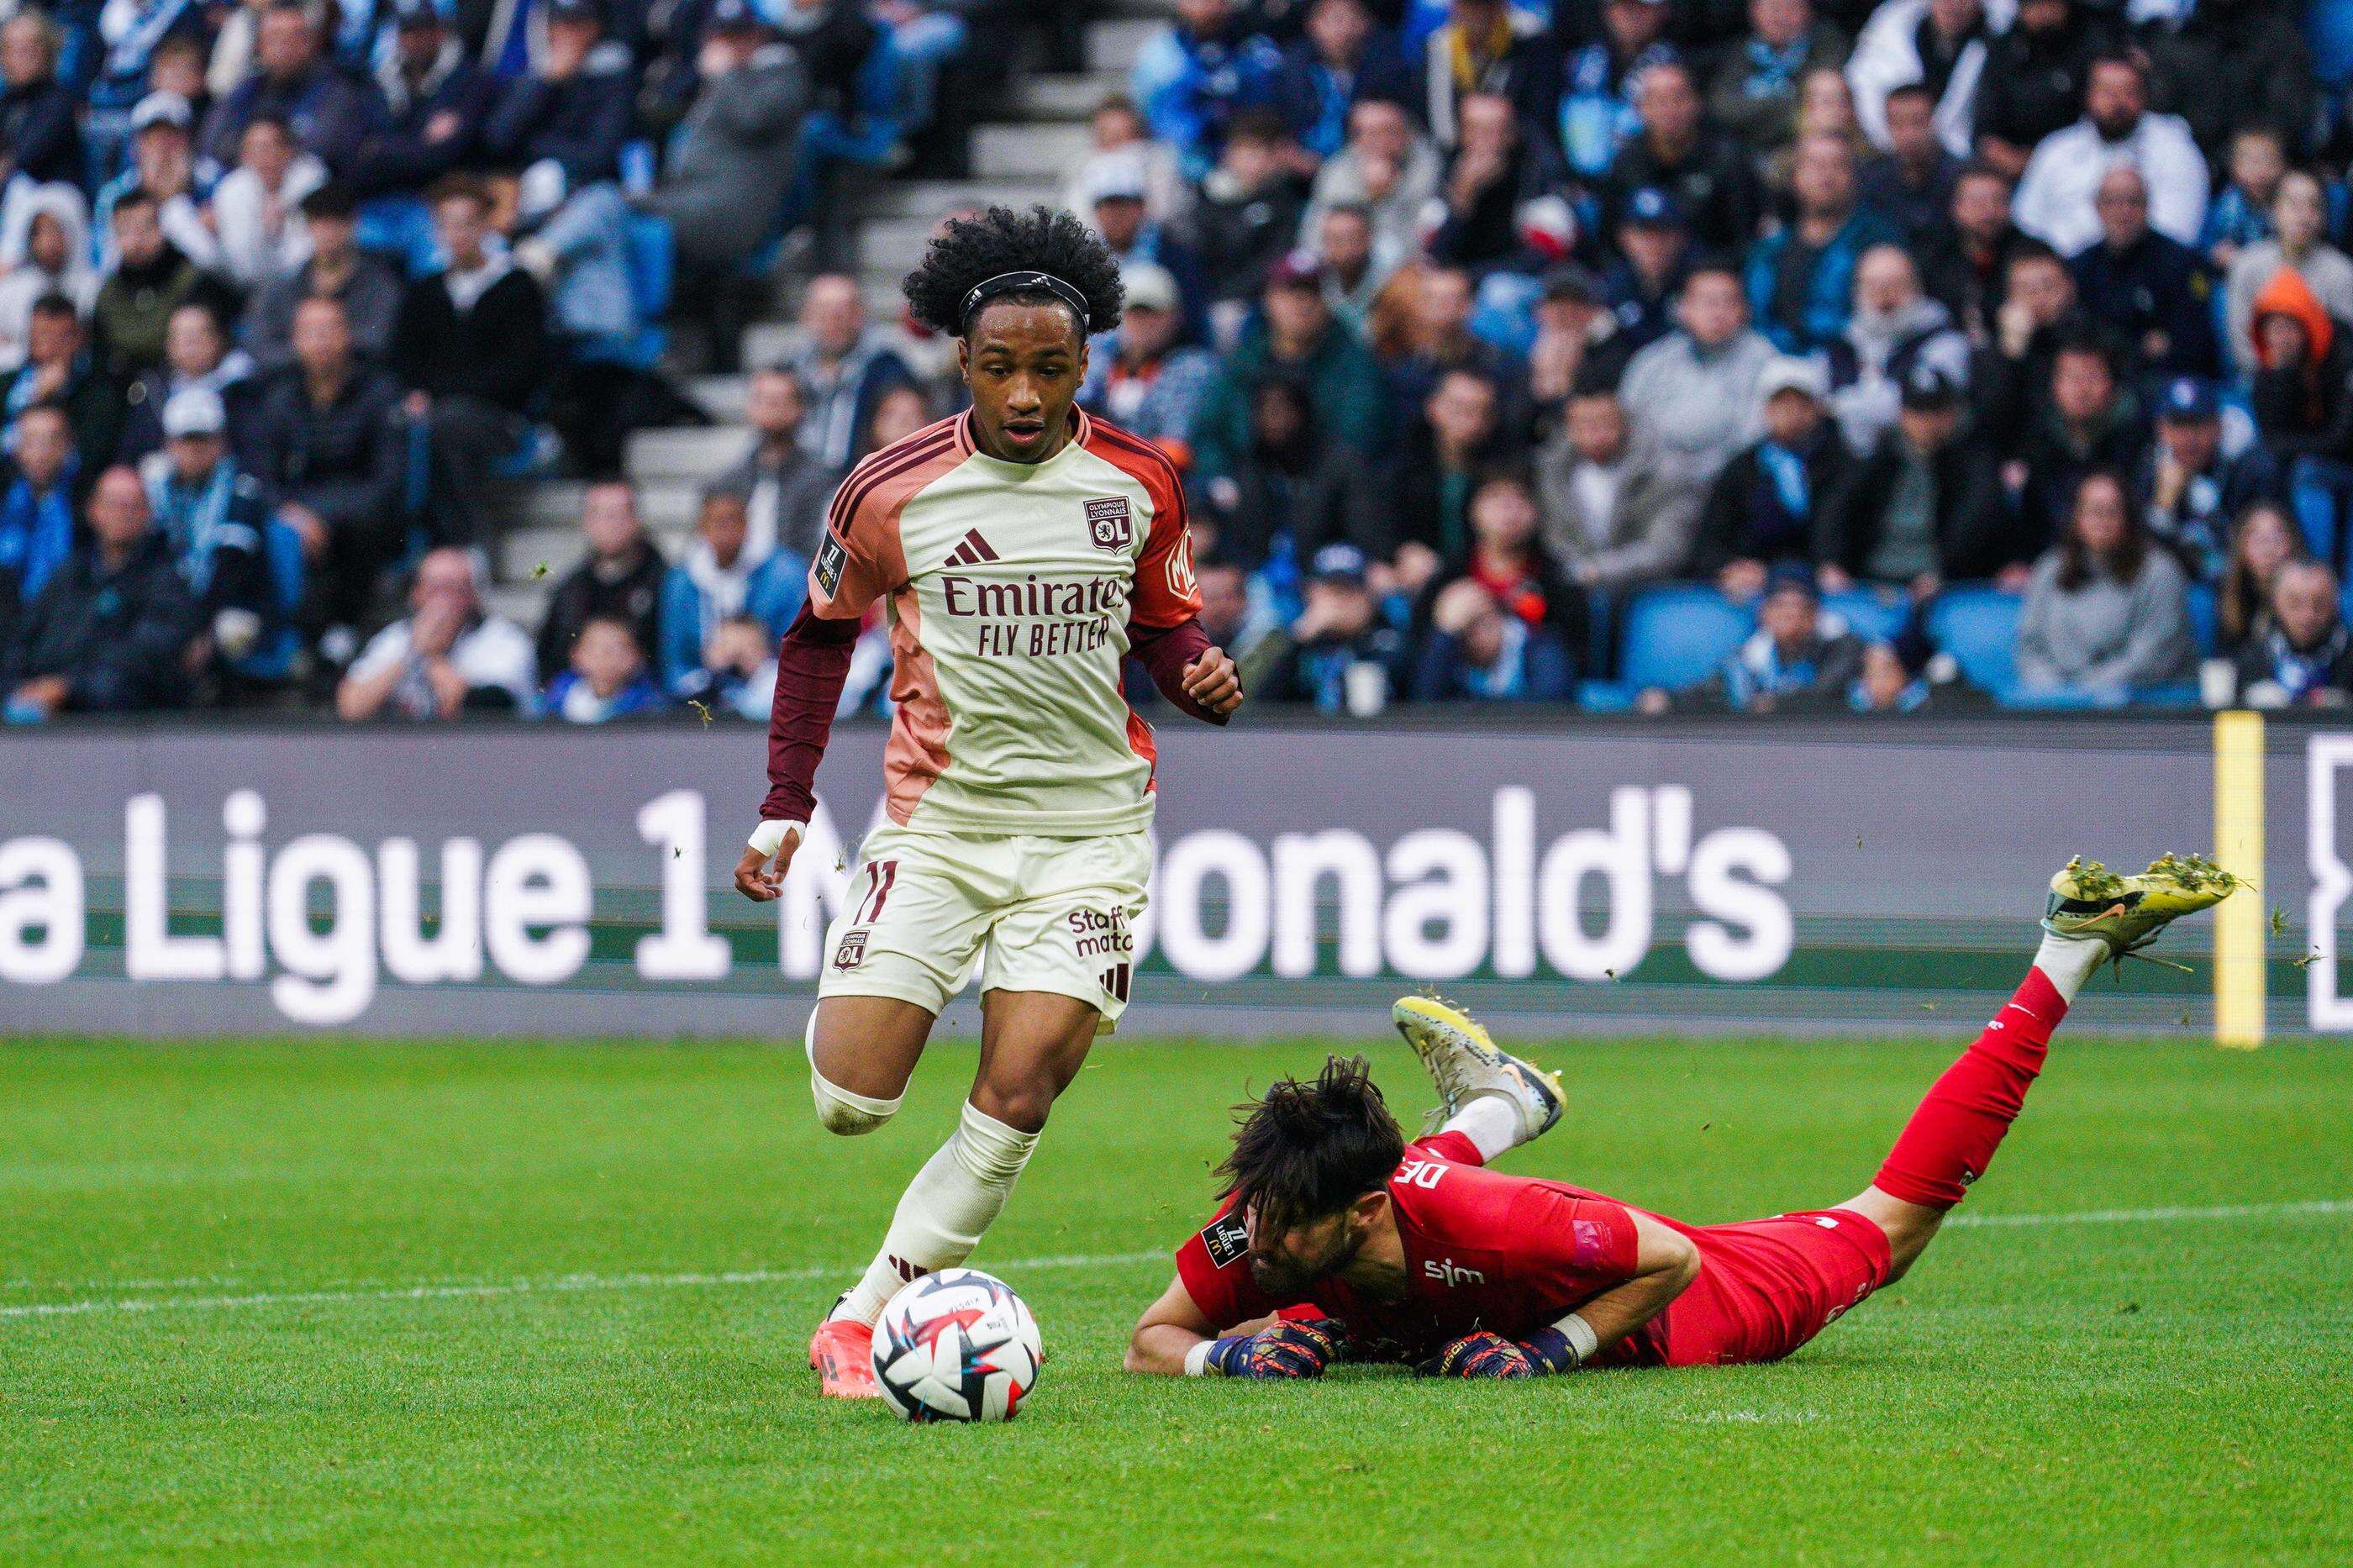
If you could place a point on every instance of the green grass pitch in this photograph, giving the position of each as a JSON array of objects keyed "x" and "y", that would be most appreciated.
[{"x": 501, "y": 1300}]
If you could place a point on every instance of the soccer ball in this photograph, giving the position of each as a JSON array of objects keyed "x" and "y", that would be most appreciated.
[{"x": 957, "y": 1345}]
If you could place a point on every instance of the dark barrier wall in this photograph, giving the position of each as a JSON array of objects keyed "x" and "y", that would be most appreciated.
[{"x": 532, "y": 881}]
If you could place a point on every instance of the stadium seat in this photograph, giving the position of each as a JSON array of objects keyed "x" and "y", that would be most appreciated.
[
  {"x": 1978, "y": 627},
  {"x": 1677, "y": 635},
  {"x": 1869, "y": 615}
]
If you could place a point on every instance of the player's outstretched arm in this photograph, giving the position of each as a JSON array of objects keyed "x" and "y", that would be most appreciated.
[
  {"x": 812, "y": 665},
  {"x": 1198, "y": 678},
  {"x": 1167, "y": 1332},
  {"x": 1173, "y": 1339},
  {"x": 1665, "y": 1263}
]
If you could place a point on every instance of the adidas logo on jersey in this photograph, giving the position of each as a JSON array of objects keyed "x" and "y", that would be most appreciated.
[{"x": 972, "y": 552}]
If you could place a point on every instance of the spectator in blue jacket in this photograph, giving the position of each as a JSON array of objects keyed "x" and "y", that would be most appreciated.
[
  {"x": 608, "y": 678},
  {"x": 36, "y": 508},
  {"x": 1342, "y": 56},
  {"x": 1597, "y": 112},
  {"x": 437, "y": 106},
  {"x": 1192, "y": 79},
  {"x": 573, "y": 109},
  {"x": 1801, "y": 276},
  {"x": 721, "y": 578},
  {"x": 330, "y": 114},
  {"x": 2150, "y": 288},
  {"x": 1477, "y": 653},
  {"x": 216, "y": 522},
  {"x": 112, "y": 631},
  {"x": 40, "y": 130}
]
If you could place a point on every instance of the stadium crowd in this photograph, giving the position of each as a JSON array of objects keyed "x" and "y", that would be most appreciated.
[{"x": 1761, "y": 354}]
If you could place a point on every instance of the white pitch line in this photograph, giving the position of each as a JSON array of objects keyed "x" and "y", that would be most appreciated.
[{"x": 569, "y": 1284}]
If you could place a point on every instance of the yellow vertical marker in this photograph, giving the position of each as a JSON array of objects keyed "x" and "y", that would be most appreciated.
[{"x": 2239, "y": 935}]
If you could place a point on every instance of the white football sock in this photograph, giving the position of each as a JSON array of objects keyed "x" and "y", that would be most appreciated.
[
  {"x": 1491, "y": 1122},
  {"x": 953, "y": 1199},
  {"x": 2068, "y": 961}
]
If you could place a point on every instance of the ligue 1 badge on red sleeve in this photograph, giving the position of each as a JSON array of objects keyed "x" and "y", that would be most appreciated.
[
  {"x": 1226, "y": 1239},
  {"x": 831, "y": 559},
  {"x": 1110, "y": 523}
]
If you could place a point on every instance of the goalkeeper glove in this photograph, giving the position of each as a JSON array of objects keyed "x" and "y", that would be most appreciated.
[
  {"x": 1481, "y": 1355},
  {"x": 1563, "y": 1347},
  {"x": 1282, "y": 1350}
]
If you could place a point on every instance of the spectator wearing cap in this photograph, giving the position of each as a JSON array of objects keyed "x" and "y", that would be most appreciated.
[
  {"x": 1501, "y": 205},
  {"x": 1801, "y": 277},
  {"x": 41, "y": 124},
  {"x": 620, "y": 578},
  {"x": 2299, "y": 243},
  {"x": 331, "y": 450},
  {"x": 1644, "y": 282},
  {"x": 1114, "y": 193},
  {"x": 1195, "y": 75},
  {"x": 326, "y": 114},
  {"x": 1769, "y": 503},
  {"x": 1693, "y": 394},
  {"x": 437, "y": 105},
  {"x": 1342, "y": 654},
  {"x": 2301, "y": 655},
  {"x": 725, "y": 186},
  {"x": 2145, "y": 286},
  {"x": 449, "y": 656},
  {"x": 1578, "y": 340},
  {"x": 196, "y": 354},
  {"x": 336, "y": 268},
  {"x": 845, "y": 367},
  {"x": 1894, "y": 328},
  {"x": 1142, "y": 375},
  {"x": 1926, "y": 505},
  {"x": 214, "y": 519},
  {"x": 785, "y": 491},
  {"x": 1388, "y": 167},
  {"x": 1486, "y": 46},
  {"x": 1458, "y": 436},
  {"x": 1342, "y": 55},
  {"x": 470, "y": 343},
  {"x": 36, "y": 508},
  {"x": 571, "y": 111},
  {"x": 1911, "y": 183},
  {"x": 1291, "y": 494},
  {"x": 1712, "y": 178},
  {"x": 1117, "y": 126},
  {"x": 1596, "y": 115},
  {"x": 1799, "y": 660},
  {"x": 2035, "y": 76},
  {"x": 1965, "y": 261},
  {"x": 150, "y": 279},
  {"x": 2106, "y": 614},
  {"x": 59, "y": 368},
  {"x": 256, "y": 207},
  {"x": 1478, "y": 651},
  {"x": 163, "y": 165},
  {"x": 1248, "y": 210},
  {"x": 2189, "y": 488},
  {"x": 1755, "y": 94},
  {"x": 44, "y": 251},
  {"x": 1939, "y": 44},
  {"x": 2056, "y": 195},
  {"x": 607, "y": 679},
  {"x": 1612, "y": 518},
  {"x": 1295, "y": 335},
  {"x": 112, "y": 630}
]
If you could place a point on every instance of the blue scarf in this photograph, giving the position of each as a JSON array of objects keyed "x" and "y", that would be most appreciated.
[
  {"x": 192, "y": 520},
  {"x": 37, "y": 531}
]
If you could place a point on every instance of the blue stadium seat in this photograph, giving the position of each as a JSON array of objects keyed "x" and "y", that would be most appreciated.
[
  {"x": 2205, "y": 617},
  {"x": 1869, "y": 615},
  {"x": 1978, "y": 627},
  {"x": 1676, "y": 636},
  {"x": 272, "y": 658}
]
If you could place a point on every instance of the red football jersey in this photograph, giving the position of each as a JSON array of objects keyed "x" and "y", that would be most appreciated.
[{"x": 1511, "y": 1254}]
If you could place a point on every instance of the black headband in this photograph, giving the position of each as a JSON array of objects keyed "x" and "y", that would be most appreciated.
[{"x": 988, "y": 289}]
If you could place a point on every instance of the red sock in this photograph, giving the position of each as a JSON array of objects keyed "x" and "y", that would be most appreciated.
[{"x": 1951, "y": 1138}]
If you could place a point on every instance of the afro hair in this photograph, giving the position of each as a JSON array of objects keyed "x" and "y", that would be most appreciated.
[{"x": 971, "y": 250}]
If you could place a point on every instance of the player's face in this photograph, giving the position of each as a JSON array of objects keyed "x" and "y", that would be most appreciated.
[
  {"x": 1023, "y": 364},
  {"x": 1286, "y": 1263}
]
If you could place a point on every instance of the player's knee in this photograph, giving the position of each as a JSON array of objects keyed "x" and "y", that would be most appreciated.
[{"x": 846, "y": 1113}]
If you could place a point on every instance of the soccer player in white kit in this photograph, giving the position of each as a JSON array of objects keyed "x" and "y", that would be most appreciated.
[{"x": 1020, "y": 552}]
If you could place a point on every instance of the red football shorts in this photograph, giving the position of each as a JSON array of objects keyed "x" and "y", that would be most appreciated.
[{"x": 1768, "y": 1286}]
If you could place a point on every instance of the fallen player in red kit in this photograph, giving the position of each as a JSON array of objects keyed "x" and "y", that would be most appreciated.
[{"x": 1338, "y": 1240}]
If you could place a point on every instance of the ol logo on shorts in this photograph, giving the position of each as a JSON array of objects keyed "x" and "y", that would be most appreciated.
[{"x": 851, "y": 953}]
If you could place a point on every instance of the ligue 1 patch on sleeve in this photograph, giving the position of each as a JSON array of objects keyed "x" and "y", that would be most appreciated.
[
  {"x": 1226, "y": 1238},
  {"x": 832, "y": 557}
]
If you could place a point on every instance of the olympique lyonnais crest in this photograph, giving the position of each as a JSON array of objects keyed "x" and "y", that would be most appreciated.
[
  {"x": 1110, "y": 523},
  {"x": 852, "y": 951}
]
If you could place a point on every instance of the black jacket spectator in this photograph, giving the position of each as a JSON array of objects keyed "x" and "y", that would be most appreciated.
[
  {"x": 2033, "y": 81},
  {"x": 2150, "y": 290},
  {"x": 94, "y": 401},
  {"x": 2304, "y": 405},
  {"x": 1714, "y": 183},
  {"x": 344, "y": 460},
  {"x": 580, "y": 122},
  {"x": 1485, "y": 231},
  {"x": 2229, "y": 64},
  {"x": 598, "y": 591},
  {"x": 330, "y": 114},
  {"x": 40, "y": 132},
  {"x": 116, "y": 635},
  {"x": 1293, "y": 490},
  {"x": 1969, "y": 516},
  {"x": 1746, "y": 517},
  {"x": 436, "y": 114},
  {"x": 496, "y": 350}
]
